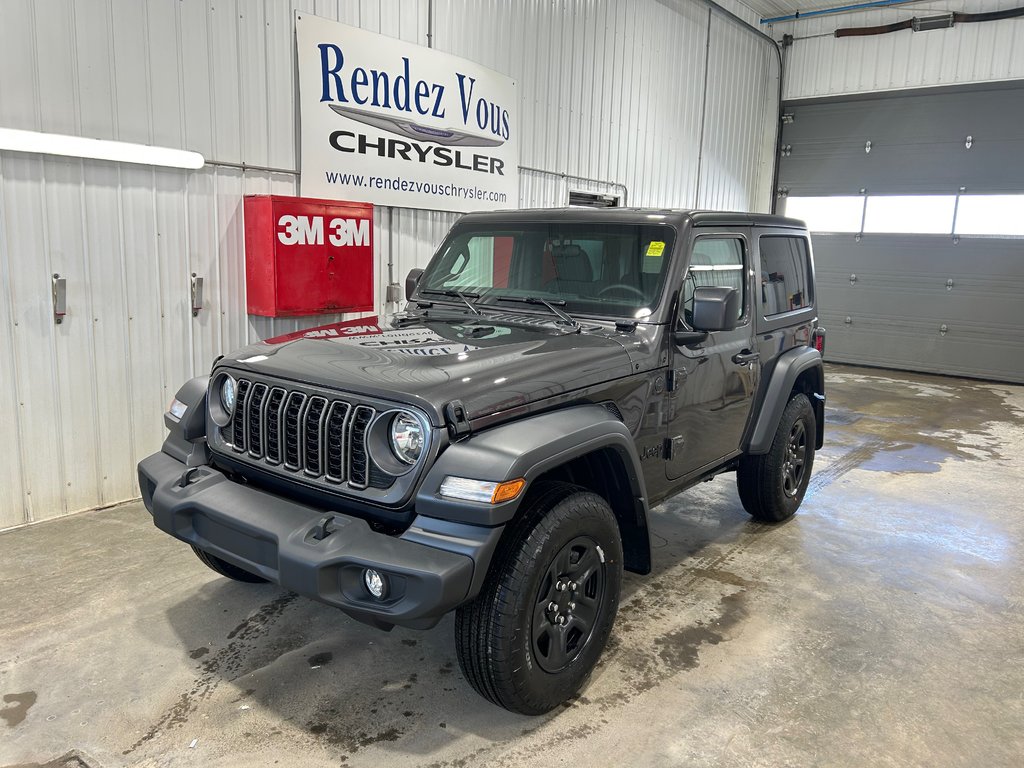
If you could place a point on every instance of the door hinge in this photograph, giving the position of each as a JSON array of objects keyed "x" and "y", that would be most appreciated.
[
  {"x": 668, "y": 449},
  {"x": 674, "y": 378}
]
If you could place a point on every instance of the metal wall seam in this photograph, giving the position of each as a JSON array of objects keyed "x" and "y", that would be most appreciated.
[
  {"x": 616, "y": 62},
  {"x": 12, "y": 432},
  {"x": 736, "y": 122}
]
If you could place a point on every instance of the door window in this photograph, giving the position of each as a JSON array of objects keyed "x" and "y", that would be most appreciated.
[{"x": 716, "y": 262}]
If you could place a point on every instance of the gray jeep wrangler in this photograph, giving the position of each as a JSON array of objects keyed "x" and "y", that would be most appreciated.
[{"x": 495, "y": 448}]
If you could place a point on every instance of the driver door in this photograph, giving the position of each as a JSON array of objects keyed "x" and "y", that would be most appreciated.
[{"x": 715, "y": 381}]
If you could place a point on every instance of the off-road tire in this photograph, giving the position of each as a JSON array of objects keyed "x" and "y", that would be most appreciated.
[
  {"x": 771, "y": 485},
  {"x": 508, "y": 634},
  {"x": 225, "y": 568}
]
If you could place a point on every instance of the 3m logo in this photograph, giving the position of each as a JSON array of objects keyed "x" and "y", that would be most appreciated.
[{"x": 309, "y": 230}]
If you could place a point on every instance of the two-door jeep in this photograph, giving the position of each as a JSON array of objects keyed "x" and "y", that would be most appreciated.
[{"x": 495, "y": 448}]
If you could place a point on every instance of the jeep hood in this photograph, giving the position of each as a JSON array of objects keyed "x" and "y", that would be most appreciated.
[{"x": 490, "y": 366}]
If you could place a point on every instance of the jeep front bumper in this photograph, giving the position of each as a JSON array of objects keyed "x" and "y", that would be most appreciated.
[{"x": 429, "y": 568}]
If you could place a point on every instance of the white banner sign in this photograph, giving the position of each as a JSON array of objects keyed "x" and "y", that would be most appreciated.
[{"x": 392, "y": 123}]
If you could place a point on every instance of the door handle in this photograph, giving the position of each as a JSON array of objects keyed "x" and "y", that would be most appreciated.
[{"x": 745, "y": 357}]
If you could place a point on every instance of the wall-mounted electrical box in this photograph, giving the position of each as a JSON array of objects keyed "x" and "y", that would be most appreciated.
[{"x": 307, "y": 257}]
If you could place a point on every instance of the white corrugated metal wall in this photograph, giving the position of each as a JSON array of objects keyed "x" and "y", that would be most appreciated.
[
  {"x": 820, "y": 64},
  {"x": 612, "y": 99}
]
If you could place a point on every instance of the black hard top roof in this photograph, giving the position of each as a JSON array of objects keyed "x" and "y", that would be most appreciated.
[{"x": 633, "y": 216}]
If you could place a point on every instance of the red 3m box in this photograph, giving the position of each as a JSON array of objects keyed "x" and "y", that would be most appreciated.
[{"x": 307, "y": 257}]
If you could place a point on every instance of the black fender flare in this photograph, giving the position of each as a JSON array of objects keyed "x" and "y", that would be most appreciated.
[
  {"x": 781, "y": 378},
  {"x": 528, "y": 448}
]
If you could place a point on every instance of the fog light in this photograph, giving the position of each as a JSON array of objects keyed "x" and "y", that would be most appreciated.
[{"x": 375, "y": 583}]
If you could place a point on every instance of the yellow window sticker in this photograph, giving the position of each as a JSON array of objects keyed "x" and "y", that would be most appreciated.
[{"x": 655, "y": 248}]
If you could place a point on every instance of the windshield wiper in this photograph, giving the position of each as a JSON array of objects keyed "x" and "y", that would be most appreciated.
[
  {"x": 464, "y": 295},
  {"x": 552, "y": 304}
]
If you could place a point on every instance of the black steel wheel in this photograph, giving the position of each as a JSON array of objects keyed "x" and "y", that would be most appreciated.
[
  {"x": 795, "y": 460},
  {"x": 772, "y": 485},
  {"x": 533, "y": 635},
  {"x": 224, "y": 568},
  {"x": 567, "y": 605}
]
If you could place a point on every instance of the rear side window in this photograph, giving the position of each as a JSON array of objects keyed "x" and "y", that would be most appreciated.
[{"x": 785, "y": 270}]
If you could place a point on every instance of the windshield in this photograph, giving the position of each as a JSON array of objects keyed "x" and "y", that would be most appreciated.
[{"x": 603, "y": 269}]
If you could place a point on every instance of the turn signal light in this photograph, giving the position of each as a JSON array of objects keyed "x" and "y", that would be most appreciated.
[
  {"x": 507, "y": 491},
  {"x": 484, "y": 491}
]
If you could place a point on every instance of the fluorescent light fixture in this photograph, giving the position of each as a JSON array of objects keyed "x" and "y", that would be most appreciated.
[{"x": 13, "y": 140}]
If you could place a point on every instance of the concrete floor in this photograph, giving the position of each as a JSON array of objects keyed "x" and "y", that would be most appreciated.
[{"x": 884, "y": 625}]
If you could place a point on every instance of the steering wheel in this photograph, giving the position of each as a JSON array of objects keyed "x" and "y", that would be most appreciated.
[{"x": 608, "y": 289}]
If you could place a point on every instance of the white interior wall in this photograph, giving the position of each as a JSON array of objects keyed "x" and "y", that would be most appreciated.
[
  {"x": 613, "y": 91},
  {"x": 819, "y": 64}
]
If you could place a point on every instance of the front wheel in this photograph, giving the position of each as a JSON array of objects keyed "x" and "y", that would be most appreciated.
[
  {"x": 772, "y": 485},
  {"x": 530, "y": 640}
]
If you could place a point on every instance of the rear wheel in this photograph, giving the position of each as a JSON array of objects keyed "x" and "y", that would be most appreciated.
[
  {"x": 772, "y": 485},
  {"x": 225, "y": 568},
  {"x": 532, "y": 637}
]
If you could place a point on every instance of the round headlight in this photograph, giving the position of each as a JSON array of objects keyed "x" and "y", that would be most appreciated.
[
  {"x": 406, "y": 437},
  {"x": 227, "y": 394}
]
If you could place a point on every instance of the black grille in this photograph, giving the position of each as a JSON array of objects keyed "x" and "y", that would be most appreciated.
[
  {"x": 337, "y": 426},
  {"x": 254, "y": 419},
  {"x": 272, "y": 424},
  {"x": 312, "y": 422},
  {"x": 323, "y": 438},
  {"x": 238, "y": 425},
  {"x": 290, "y": 423},
  {"x": 357, "y": 461}
]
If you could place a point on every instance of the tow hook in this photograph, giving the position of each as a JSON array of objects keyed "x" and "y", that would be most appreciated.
[
  {"x": 186, "y": 477},
  {"x": 324, "y": 528}
]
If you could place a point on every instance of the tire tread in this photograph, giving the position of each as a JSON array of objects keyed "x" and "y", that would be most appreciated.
[
  {"x": 486, "y": 629},
  {"x": 756, "y": 477}
]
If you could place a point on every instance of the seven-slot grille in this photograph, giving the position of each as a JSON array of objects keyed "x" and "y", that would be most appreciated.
[{"x": 321, "y": 437}]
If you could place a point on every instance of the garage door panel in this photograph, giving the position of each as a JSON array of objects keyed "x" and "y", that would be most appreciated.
[
  {"x": 995, "y": 166},
  {"x": 874, "y": 294},
  {"x": 918, "y": 143},
  {"x": 911, "y": 118},
  {"x": 963, "y": 351},
  {"x": 893, "y": 312}
]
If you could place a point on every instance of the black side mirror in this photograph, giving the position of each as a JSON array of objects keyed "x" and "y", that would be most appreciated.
[
  {"x": 715, "y": 308},
  {"x": 411, "y": 281}
]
